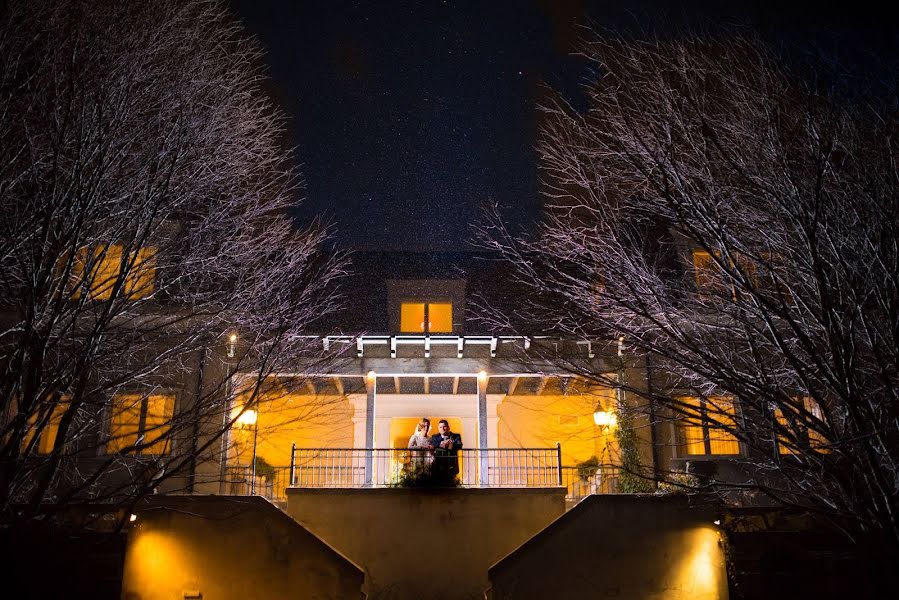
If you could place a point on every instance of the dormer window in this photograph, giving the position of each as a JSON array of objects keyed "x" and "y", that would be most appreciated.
[
  {"x": 426, "y": 317},
  {"x": 425, "y": 306}
]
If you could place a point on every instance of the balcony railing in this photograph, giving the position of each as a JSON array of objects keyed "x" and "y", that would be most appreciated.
[
  {"x": 392, "y": 467},
  {"x": 396, "y": 467},
  {"x": 580, "y": 485}
]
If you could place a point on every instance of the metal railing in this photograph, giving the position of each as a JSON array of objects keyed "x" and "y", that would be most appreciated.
[
  {"x": 580, "y": 484},
  {"x": 396, "y": 467},
  {"x": 272, "y": 484},
  {"x": 393, "y": 467}
]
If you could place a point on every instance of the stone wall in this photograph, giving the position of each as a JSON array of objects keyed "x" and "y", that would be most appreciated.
[
  {"x": 230, "y": 548},
  {"x": 619, "y": 546},
  {"x": 420, "y": 543}
]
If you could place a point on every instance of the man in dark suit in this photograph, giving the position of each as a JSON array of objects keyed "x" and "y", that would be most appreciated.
[{"x": 446, "y": 451}]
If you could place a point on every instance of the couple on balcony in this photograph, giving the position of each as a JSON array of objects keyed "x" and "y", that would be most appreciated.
[{"x": 437, "y": 454}]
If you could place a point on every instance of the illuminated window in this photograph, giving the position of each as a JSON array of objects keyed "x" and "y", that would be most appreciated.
[
  {"x": 426, "y": 317},
  {"x": 762, "y": 275},
  {"x": 803, "y": 429},
  {"x": 106, "y": 268},
  {"x": 142, "y": 421},
  {"x": 707, "y": 274},
  {"x": 47, "y": 436},
  {"x": 707, "y": 425}
]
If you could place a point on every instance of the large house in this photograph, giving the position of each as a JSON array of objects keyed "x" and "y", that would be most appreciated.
[{"x": 324, "y": 438}]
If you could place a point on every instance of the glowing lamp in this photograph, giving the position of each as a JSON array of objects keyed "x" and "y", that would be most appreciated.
[
  {"x": 132, "y": 518},
  {"x": 482, "y": 376},
  {"x": 247, "y": 418},
  {"x": 604, "y": 418}
]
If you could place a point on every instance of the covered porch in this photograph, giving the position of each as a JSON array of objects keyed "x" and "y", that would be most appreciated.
[{"x": 522, "y": 424}]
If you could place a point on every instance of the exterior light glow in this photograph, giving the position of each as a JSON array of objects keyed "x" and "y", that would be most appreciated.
[
  {"x": 132, "y": 518},
  {"x": 232, "y": 338},
  {"x": 604, "y": 418},
  {"x": 482, "y": 376},
  {"x": 717, "y": 521},
  {"x": 247, "y": 418},
  {"x": 372, "y": 375}
]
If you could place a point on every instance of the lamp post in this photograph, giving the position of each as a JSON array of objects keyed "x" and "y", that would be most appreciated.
[{"x": 606, "y": 420}]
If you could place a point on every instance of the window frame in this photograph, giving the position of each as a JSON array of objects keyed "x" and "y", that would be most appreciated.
[
  {"x": 711, "y": 432},
  {"x": 97, "y": 269},
  {"x": 46, "y": 437},
  {"x": 427, "y": 302},
  {"x": 809, "y": 439},
  {"x": 135, "y": 442}
]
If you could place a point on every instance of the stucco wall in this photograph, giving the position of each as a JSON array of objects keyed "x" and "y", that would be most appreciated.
[
  {"x": 622, "y": 547},
  {"x": 229, "y": 548},
  {"x": 416, "y": 543},
  {"x": 542, "y": 421}
]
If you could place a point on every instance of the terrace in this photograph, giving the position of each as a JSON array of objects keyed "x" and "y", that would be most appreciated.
[{"x": 334, "y": 468}]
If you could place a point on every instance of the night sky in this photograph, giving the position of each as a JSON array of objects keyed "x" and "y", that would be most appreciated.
[{"x": 407, "y": 116}]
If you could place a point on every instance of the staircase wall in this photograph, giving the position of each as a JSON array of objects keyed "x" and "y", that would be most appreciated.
[
  {"x": 230, "y": 548},
  {"x": 420, "y": 543}
]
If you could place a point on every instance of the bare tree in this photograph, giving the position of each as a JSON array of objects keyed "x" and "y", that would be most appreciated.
[
  {"x": 147, "y": 254},
  {"x": 737, "y": 226}
]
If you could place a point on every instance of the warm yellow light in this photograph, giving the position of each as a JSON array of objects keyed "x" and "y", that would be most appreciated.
[
  {"x": 482, "y": 376},
  {"x": 132, "y": 518},
  {"x": 232, "y": 338},
  {"x": 247, "y": 418},
  {"x": 372, "y": 375},
  {"x": 604, "y": 418},
  {"x": 412, "y": 317},
  {"x": 440, "y": 317}
]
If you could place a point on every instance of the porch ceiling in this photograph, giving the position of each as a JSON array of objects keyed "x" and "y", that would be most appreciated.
[{"x": 521, "y": 385}]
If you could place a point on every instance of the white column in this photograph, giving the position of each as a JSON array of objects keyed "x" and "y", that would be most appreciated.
[
  {"x": 371, "y": 390},
  {"x": 482, "y": 430}
]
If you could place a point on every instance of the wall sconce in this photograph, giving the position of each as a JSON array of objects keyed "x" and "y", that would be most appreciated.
[
  {"x": 604, "y": 418},
  {"x": 247, "y": 418},
  {"x": 232, "y": 344}
]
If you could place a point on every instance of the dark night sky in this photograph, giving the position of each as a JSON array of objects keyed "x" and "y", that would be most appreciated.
[{"x": 407, "y": 116}]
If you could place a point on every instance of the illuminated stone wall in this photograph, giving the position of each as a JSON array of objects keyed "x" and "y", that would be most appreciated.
[
  {"x": 619, "y": 547},
  {"x": 420, "y": 543},
  {"x": 229, "y": 548}
]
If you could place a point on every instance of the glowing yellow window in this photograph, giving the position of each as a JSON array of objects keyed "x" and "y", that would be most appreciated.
[
  {"x": 47, "y": 435},
  {"x": 106, "y": 268},
  {"x": 412, "y": 317},
  {"x": 692, "y": 427},
  {"x": 707, "y": 273},
  {"x": 721, "y": 416},
  {"x": 708, "y": 425},
  {"x": 157, "y": 423},
  {"x": 805, "y": 427},
  {"x": 430, "y": 317},
  {"x": 127, "y": 426},
  {"x": 440, "y": 317}
]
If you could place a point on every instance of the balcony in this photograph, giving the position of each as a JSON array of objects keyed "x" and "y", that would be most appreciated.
[{"x": 332, "y": 468}]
